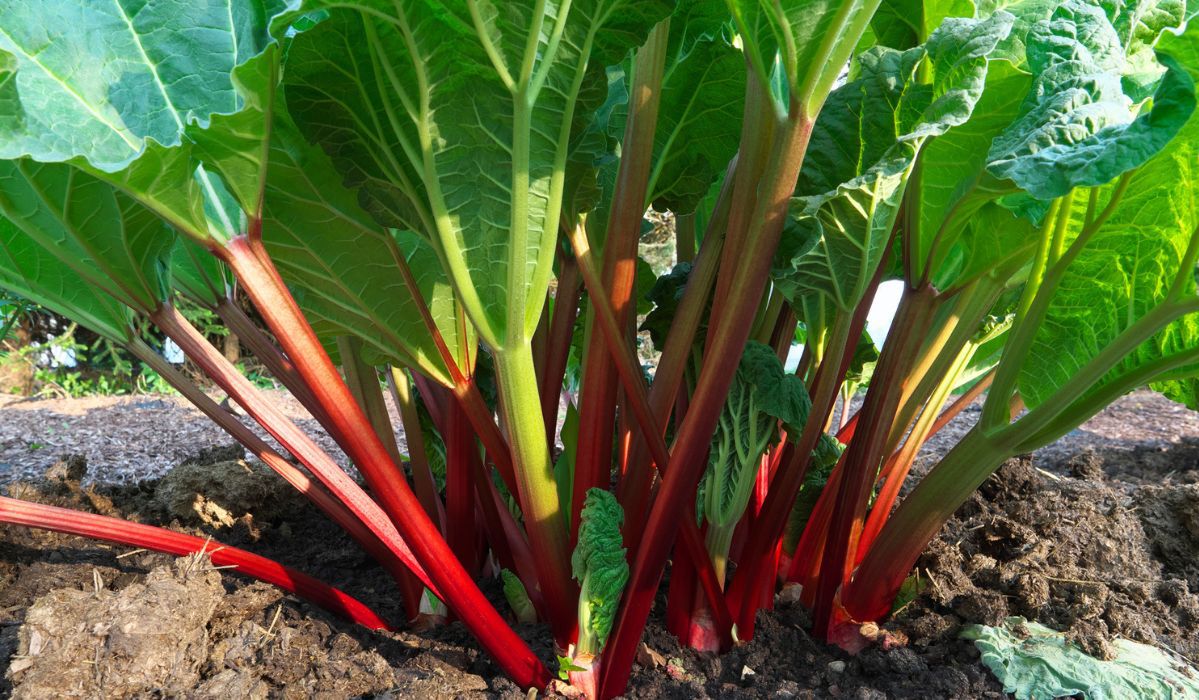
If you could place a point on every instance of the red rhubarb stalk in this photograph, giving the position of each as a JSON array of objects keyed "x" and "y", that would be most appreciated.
[
  {"x": 865, "y": 454},
  {"x": 462, "y": 455},
  {"x": 322, "y": 499},
  {"x": 785, "y": 485},
  {"x": 280, "y": 427},
  {"x": 557, "y": 351},
  {"x": 597, "y": 402},
  {"x": 634, "y": 385},
  {"x": 101, "y": 527},
  {"x": 687, "y": 463},
  {"x": 269, "y": 354},
  {"x": 635, "y": 488},
  {"x": 900, "y": 463},
  {"x": 450, "y": 581},
  {"x": 418, "y": 457}
]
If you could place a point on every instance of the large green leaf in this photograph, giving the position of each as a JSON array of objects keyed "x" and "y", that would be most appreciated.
[
  {"x": 339, "y": 263},
  {"x": 862, "y": 152},
  {"x": 235, "y": 145},
  {"x": 594, "y": 154},
  {"x": 1139, "y": 24},
  {"x": 111, "y": 241},
  {"x": 125, "y": 89},
  {"x": 903, "y": 24},
  {"x": 33, "y": 272},
  {"x": 1127, "y": 268},
  {"x": 1078, "y": 127},
  {"x": 456, "y": 123},
  {"x": 97, "y": 79},
  {"x": 699, "y": 122},
  {"x": 953, "y": 183},
  {"x": 993, "y": 241}
]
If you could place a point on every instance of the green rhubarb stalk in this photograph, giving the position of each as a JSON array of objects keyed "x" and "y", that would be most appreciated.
[{"x": 520, "y": 414}]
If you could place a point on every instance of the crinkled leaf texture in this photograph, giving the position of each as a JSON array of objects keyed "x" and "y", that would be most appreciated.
[
  {"x": 599, "y": 564},
  {"x": 1033, "y": 662},
  {"x": 824, "y": 458},
  {"x": 1078, "y": 127},
  {"x": 761, "y": 396},
  {"x": 862, "y": 151},
  {"x": 456, "y": 126},
  {"x": 1128, "y": 266}
]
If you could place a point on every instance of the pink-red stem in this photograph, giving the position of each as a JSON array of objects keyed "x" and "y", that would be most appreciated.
[
  {"x": 101, "y": 527},
  {"x": 266, "y": 289}
]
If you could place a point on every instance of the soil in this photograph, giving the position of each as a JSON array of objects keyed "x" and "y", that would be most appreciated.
[{"x": 1098, "y": 538}]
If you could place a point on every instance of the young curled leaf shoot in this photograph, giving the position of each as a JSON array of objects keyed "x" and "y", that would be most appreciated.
[
  {"x": 518, "y": 598},
  {"x": 762, "y": 395},
  {"x": 599, "y": 565}
]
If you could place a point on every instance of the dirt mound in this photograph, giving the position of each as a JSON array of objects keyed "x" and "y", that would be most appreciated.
[
  {"x": 223, "y": 493},
  {"x": 1073, "y": 554},
  {"x": 152, "y": 636}
]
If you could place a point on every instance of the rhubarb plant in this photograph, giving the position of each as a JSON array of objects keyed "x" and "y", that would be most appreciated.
[{"x": 448, "y": 196}]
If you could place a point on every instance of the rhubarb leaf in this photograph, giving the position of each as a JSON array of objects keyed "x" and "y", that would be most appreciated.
[
  {"x": 903, "y": 24},
  {"x": 341, "y": 266},
  {"x": 699, "y": 121},
  {"x": 1068, "y": 124},
  {"x": 862, "y": 151},
  {"x": 861, "y": 366},
  {"x": 1128, "y": 266},
  {"x": 457, "y": 119},
  {"x": 1139, "y": 24},
  {"x": 952, "y": 179},
  {"x": 599, "y": 565},
  {"x": 665, "y": 295},
  {"x": 518, "y": 598},
  {"x": 198, "y": 274},
  {"x": 111, "y": 241},
  {"x": 121, "y": 89},
  {"x": 98, "y": 80},
  {"x": 824, "y": 458},
  {"x": 1078, "y": 127},
  {"x": 1033, "y": 661},
  {"x": 34, "y": 273},
  {"x": 761, "y": 396},
  {"x": 993, "y": 242}
]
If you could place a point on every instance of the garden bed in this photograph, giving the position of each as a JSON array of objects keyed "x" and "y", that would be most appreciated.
[{"x": 1096, "y": 536}]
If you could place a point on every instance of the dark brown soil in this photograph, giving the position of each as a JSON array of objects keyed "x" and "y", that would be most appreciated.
[{"x": 1100, "y": 544}]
